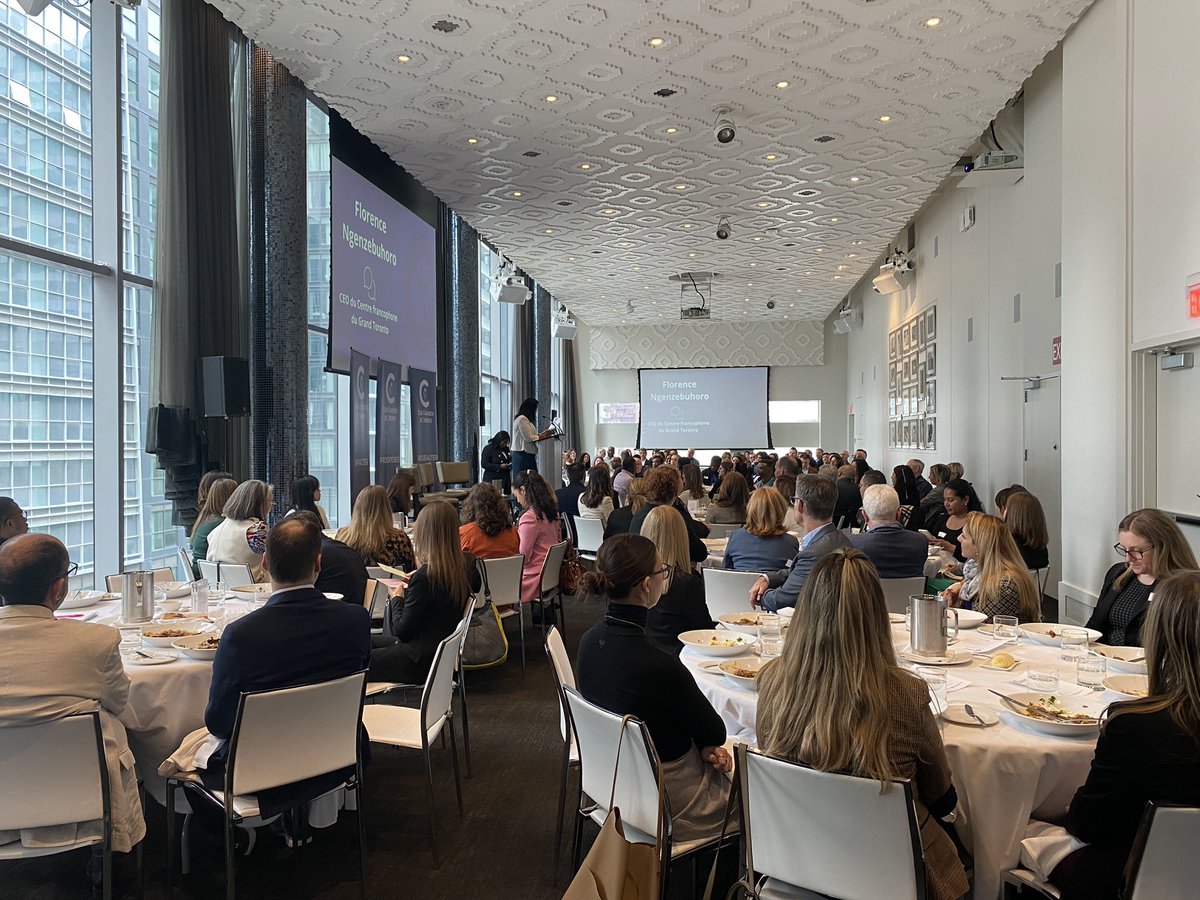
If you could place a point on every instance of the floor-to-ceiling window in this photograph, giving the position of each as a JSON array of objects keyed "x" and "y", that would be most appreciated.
[{"x": 495, "y": 349}]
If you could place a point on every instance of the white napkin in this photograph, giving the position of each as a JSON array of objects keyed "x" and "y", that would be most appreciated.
[
  {"x": 1045, "y": 846},
  {"x": 193, "y": 753},
  {"x": 987, "y": 646}
]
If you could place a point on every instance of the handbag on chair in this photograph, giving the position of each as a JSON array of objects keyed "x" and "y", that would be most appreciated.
[
  {"x": 486, "y": 644},
  {"x": 571, "y": 571}
]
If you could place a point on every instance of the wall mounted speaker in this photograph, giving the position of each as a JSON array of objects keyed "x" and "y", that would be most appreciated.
[{"x": 225, "y": 381}]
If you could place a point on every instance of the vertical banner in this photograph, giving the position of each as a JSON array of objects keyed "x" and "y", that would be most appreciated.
[
  {"x": 387, "y": 421},
  {"x": 360, "y": 422},
  {"x": 422, "y": 392}
]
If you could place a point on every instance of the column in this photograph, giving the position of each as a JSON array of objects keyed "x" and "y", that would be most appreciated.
[{"x": 461, "y": 372}]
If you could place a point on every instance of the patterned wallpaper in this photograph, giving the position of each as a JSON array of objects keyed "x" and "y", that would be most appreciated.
[{"x": 708, "y": 344}]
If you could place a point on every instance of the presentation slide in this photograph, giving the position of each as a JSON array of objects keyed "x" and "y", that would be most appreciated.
[
  {"x": 703, "y": 407},
  {"x": 384, "y": 272}
]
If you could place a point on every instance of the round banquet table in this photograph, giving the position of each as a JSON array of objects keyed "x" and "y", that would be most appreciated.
[{"x": 1004, "y": 774}]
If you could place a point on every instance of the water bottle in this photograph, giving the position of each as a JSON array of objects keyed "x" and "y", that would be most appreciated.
[{"x": 200, "y": 597}]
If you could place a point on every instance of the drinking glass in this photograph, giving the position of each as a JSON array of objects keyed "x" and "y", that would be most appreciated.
[
  {"x": 1043, "y": 680},
  {"x": 216, "y": 592},
  {"x": 1006, "y": 628},
  {"x": 770, "y": 636},
  {"x": 131, "y": 638},
  {"x": 1090, "y": 671},
  {"x": 936, "y": 679},
  {"x": 200, "y": 597},
  {"x": 1073, "y": 643}
]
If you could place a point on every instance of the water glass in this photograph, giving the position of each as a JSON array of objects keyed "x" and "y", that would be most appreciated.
[
  {"x": 1074, "y": 645},
  {"x": 200, "y": 597},
  {"x": 770, "y": 636},
  {"x": 216, "y": 592},
  {"x": 1006, "y": 628},
  {"x": 1090, "y": 671},
  {"x": 1043, "y": 680},
  {"x": 936, "y": 679}
]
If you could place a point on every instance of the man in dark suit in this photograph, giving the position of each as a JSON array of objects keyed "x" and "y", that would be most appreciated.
[
  {"x": 895, "y": 551},
  {"x": 568, "y": 497},
  {"x": 816, "y": 497},
  {"x": 923, "y": 485},
  {"x": 849, "y": 500},
  {"x": 342, "y": 569},
  {"x": 298, "y": 637}
]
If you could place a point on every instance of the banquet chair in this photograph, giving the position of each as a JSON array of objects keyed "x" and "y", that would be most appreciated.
[
  {"x": 414, "y": 729},
  {"x": 1040, "y": 577},
  {"x": 564, "y": 676},
  {"x": 727, "y": 591},
  {"x": 589, "y": 535},
  {"x": 210, "y": 571},
  {"x": 717, "y": 530},
  {"x": 460, "y": 682},
  {"x": 318, "y": 723},
  {"x": 896, "y": 592},
  {"x": 112, "y": 583},
  {"x": 567, "y": 528},
  {"x": 449, "y": 473},
  {"x": 235, "y": 575},
  {"x": 551, "y": 588},
  {"x": 55, "y": 773},
  {"x": 804, "y": 831},
  {"x": 502, "y": 584},
  {"x": 186, "y": 567}
]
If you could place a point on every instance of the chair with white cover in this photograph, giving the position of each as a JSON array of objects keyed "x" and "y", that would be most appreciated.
[
  {"x": 727, "y": 591},
  {"x": 235, "y": 575},
  {"x": 502, "y": 585},
  {"x": 112, "y": 583},
  {"x": 896, "y": 592},
  {"x": 551, "y": 589},
  {"x": 415, "y": 729},
  {"x": 804, "y": 831},
  {"x": 281, "y": 737},
  {"x": 564, "y": 676},
  {"x": 589, "y": 535},
  {"x": 55, "y": 773},
  {"x": 717, "y": 530},
  {"x": 1040, "y": 577},
  {"x": 186, "y": 568},
  {"x": 210, "y": 571},
  {"x": 459, "y": 473}
]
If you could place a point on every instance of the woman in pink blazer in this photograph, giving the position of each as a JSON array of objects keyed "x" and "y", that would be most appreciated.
[{"x": 537, "y": 527}]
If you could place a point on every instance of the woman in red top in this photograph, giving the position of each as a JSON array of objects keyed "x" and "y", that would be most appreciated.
[{"x": 487, "y": 531}]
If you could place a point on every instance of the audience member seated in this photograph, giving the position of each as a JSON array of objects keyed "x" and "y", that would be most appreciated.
[
  {"x": 662, "y": 489},
  {"x": 1153, "y": 547},
  {"x": 13, "y": 521},
  {"x": 1002, "y": 496},
  {"x": 836, "y": 700},
  {"x": 933, "y": 502},
  {"x": 694, "y": 496},
  {"x": 242, "y": 537},
  {"x": 786, "y": 486},
  {"x": 623, "y": 671},
  {"x": 905, "y": 483},
  {"x": 1025, "y": 519},
  {"x": 957, "y": 472},
  {"x": 815, "y": 498},
  {"x": 306, "y": 491},
  {"x": 207, "y": 480},
  {"x": 487, "y": 531},
  {"x": 342, "y": 569},
  {"x": 764, "y": 475},
  {"x": 959, "y": 498},
  {"x": 372, "y": 534},
  {"x": 400, "y": 492},
  {"x": 711, "y": 475},
  {"x": 298, "y": 637},
  {"x": 621, "y": 519},
  {"x": 849, "y": 501},
  {"x": 895, "y": 551},
  {"x": 621, "y": 481},
  {"x": 923, "y": 485},
  {"x": 52, "y": 668},
  {"x": 210, "y": 517},
  {"x": 682, "y": 606},
  {"x": 496, "y": 461},
  {"x": 568, "y": 497},
  {"x": 596, "y": 501},
  {"x": 538, "y": 528},
  {"x": 729, "y": 506},
  {"x": 995, "y": 579},
  {"x": 435, "y": 598},
  {"x": 763, "y": 543},
  {"x": 1149, "y": 749}
]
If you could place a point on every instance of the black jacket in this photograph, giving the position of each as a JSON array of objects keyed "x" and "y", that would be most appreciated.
[
  {"x": 697, "y": 531},
  {"x": 342, "y": 572},
  {"x": 682, "y": 608},
  {"x": 492, "y": 459},
  {"x": 568, "y": 498},
  {"x": 1108, "y": 596},
  {"x": 425, "y": 617},
  {"x": 849, "y": 502}
]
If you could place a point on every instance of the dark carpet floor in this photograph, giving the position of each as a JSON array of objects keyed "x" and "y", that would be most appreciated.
[{"x": 501, "y": 848}]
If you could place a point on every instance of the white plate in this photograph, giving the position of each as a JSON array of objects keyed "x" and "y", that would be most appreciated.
[
  {"x": 701, "y": 641},
  {"x": 897, "y": 618},
  {"x": 786, "y": 612},
  {"x": 173, "y": 590},
  {"x": 1118, "y": 658},
  {"x": 957, "y": 714},
  {"x": 252, "y": 591},
  {"x": 190, "y": 646},
  {"x": 968, "y": 618},
  {"x": 1135, "y": 687},
  {"x": 1086, "y": 706},
  {"x": 988, "y": 665},
  {"x": 753, "y": 663},
  {"x": 149, "y": 633},
  {"x": 330, "y": 595},
  {"x": 952, "y": 657},
  {"x": 1051, "y": 632},
  {"x": 86, "y": 598},
  {"x": 152, "y": 658},
  {"x": 731, "y": 621}
]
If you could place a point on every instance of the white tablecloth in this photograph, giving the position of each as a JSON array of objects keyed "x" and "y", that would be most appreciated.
[{"x": 1004, "y": 774}]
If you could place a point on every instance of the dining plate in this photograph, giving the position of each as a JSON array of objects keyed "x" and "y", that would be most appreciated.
[
  {"x": 745, "y": 622},
  {"x": 252, "y": 591},
  {"x": 988, "y": 665},
  {"x": 717, "y": 641},
  {"x": 1069, "y": 707},
  {"x": 736, "y": 670},
  {"x": 952, "y": 657},
  {"x": 198, "y": 646},
  {"x": 146, "y": 658},
  {"x": 79, "y": 599},
  {"x": 173, "y": 590},
  {"x": 164, "y": 634},
  {"x": 897, "y": 618},
  {"x": 957, "y": 714},
  {"x": 1119, "y": 658},
  {"x": 1051, "y": 632},
  {"x": 1135, "y": 687},
  {"x": 968, "y": 618}
]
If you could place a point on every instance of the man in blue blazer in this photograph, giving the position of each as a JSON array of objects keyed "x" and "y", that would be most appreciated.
[{"x": 895, "y": 551}]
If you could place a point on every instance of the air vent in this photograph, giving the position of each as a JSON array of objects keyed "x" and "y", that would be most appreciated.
[
  {"x": 445, "y": 26},
  {"x": 532, "y": 153},
  {"x": 597, "y": 251},
  {"x": 665, "y": 92},
  {"x": 807, "y": 192},
  {"x": 564, "y": 203},
  {"x": 824, "y": 139}
]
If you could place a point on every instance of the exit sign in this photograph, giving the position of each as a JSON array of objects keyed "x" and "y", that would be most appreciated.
[
  {"x": 1056, "y": 351},
  {"x": 1193, "y": 292}
]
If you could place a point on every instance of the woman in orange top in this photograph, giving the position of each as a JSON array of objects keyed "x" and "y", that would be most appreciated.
[{"x": 487, "y": 531}]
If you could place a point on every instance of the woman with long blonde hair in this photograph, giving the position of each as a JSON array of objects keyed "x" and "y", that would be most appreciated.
[
  {"x": 995, "y": 578},
  {"x": 372, "y": 533},
  {"x": 619, "y": 520},
  {"x": 838, "y": 701},
  {"x": 435, "y": 598},
  {"x": 682, "y": 606},
  {"x": 763, "y": 543}
]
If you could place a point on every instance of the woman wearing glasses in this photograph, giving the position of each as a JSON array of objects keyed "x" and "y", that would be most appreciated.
[
  {"x": 1153, "y": 548},
  {"x": 623, "y": 671}
]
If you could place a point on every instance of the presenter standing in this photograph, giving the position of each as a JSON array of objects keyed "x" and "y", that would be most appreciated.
[{"x": 525, "y": 437}]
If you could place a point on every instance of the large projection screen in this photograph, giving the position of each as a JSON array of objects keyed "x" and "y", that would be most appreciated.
[
  {"x": 703, "y": 407},
  {"x": 383, "y": 300}
]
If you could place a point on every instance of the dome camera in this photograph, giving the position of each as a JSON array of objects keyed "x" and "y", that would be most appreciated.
[
  {"x": 770, "y": 304},
  {"x": 723, "y": 230},
  {"x": 726, "y": 131}
]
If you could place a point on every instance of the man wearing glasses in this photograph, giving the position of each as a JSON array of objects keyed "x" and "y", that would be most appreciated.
[
  {"x": 52, "y": 668},
  {"x": 13, "y": 521}
]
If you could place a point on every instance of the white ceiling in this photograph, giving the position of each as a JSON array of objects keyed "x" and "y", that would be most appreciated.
[{"x": 807, "y": 223}]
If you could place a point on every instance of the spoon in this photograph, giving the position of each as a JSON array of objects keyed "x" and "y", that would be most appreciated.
[{"x": 974, "y": 715}]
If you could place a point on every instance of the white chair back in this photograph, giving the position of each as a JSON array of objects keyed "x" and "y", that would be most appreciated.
[
  {"x": 503, "y": 578},
  {"x": 1168, "y": 867},
  {"x": 552, "y": 566},
  {"x": 808, "y": 828},
  {"x": 896, "y": 591},
  {"x": 597, "y": 732},
  {"x": 717, "y": 530},
  {"x": 563, "y": 673},
  {"x": 210, "y": 571},
  {"x": 378, "y": 573},
  {"x": 439, "y": 685},
  {"x": 589, "y": 535},
  {"x": 287, "y": 735},
  {"x": 425, "y": 475},
  {"x": 377, "y": 591},
  {"x": 186, "y": 572},
  {"x": 53, "y": 773},
  {"x": 726, "y": 591},
  {"x": 235, "y": 575}
]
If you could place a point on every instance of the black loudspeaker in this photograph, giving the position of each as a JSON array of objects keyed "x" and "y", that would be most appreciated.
[
  {"x": 226, "y": 384},
  {"x": 482, "y": 414}
]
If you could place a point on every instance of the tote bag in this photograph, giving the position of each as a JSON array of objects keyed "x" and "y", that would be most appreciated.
[{"x": 486, "y": 644}]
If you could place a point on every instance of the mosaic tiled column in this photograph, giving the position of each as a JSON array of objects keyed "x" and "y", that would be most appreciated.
[
  {"x": 278, "y": 277},
  {"x": 461, "y": 378},
  {"x": 549, "y": 457}
]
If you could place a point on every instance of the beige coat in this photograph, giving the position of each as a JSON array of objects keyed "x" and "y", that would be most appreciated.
[{"x": 50, "y": 668}]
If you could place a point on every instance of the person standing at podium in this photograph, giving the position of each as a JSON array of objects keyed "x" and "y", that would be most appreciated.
[{"x": 525, "y": 437}]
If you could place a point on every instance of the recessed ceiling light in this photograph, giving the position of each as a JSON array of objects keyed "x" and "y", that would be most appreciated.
[
  {"x": 549, "y": 231},
  {"x": 769, "y": 156},
  {"x": 403, "y": 58},
  {"x": 744, "y": 312},
  {"x": 657, "y": 41},
  {"x": 550, "y": 98},
  {"x": 842, "y": 268},
  {"x": 781, "y": 84},
  {"x": 637, "y": 269},
  {"x": 793, "y": 303},
  {"x": 855, "y": 178},
  {"x": 836, "y": 277},
  {"x": 933, "y": 21},
  {"x": 758, "y": 239},
  {"x": 624, "y": 243},
  {"x": 687, "y": 224},
  {"x": 858, "y": 243},
  {"x": 851, "y": 255},
  {"x": 691, "y": 256},
  {"x": 834, "y": 221},
  {"x": 472, "y": 140},
  {"x": 585, "y": 166},
  {"x": 681, "y": 187},
  {"x": 516, "y": 193},
  {"x": 672, "y": 130},
  {"x": 749, "y": 284},
  {"x": 763, "y": 205},
  {"x": 747, "y": 300},
  {"x": 885, "y": 118},
  {"x": 808, "y": 273},
  {"x": 820, "y": 249},
  {"x": 609, "y": 212},
  {"x": 589, "y": 281},
  {"x": 570, "y": 259},
  {"x": 752, "y": 265}
]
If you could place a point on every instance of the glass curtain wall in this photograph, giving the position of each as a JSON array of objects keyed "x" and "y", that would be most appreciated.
[{"x": 495, "y": 350}]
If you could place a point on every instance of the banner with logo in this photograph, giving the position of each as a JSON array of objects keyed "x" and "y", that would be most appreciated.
[
  {"x": 360, "y": 422},
  {"x": 387, "y": 421},
  {"x": 422, "y": 392}
]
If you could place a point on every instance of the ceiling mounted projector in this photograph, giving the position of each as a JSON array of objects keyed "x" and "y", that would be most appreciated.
[
  {"x": 562, "y": 326},
  {"x": 513, "y": 289},
  {"x": 846, "y": 320},
  {"x": 893, "y": 274}
]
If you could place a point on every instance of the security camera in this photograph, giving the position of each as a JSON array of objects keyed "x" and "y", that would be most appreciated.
[
  {"x": 726, "y": 131},
  {"x": 723, "y": 230},
  {"x": 770, "y": 304}
]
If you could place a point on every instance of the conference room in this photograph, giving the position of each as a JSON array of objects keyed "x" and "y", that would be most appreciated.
[{"x": 291, "y": 294}]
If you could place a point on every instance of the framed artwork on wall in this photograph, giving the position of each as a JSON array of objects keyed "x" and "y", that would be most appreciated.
[
  {"x": 931, "y": 360},
  {"x": 931, "y": 434},
  {"x": 931, "y": 396},
  {"x": 920, "y": 325},
  {"x": 931, "y": 323},
  {"x": 892, "y": 345}
]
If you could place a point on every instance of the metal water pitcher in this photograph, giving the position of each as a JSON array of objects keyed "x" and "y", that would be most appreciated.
[
  {"x": 137, "y": 596},
  {"x": 928, "y": 617}
]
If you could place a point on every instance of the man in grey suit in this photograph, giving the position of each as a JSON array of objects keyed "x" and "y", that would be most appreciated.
[
  {"x": 895, "y": 551},
  {"x": 816, "y": 497}
]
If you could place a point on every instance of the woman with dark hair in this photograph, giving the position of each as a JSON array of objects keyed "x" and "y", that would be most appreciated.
[
  {"x": 662, "y": 489},
  {"x": 905, "y": 483},
  {"x": 526, "y": 437},
  {"x": 487, "y": 531},
  {"x": 729, "y": 506},
  {"x": 694, "y": 497},
  {"x": 400, "y": 492},
  {"x": 958, "y": 499},
  {"x": 306, "y": 491},
  {"x": 1026, "y": 520},
  {"x": 596, "y": 500},
  {"x": 207, "y": 480},
  {"x": 712, "y": 473},
  {"x": 861, "y": 468},
  {"x": 1002, "y": 496},
  {"x": 623, "y": 671},
  {"x": 538, "y": 528},
  {"x": 496, "y": 461}
]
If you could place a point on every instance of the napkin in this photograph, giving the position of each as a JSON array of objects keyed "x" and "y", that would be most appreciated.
[
  {"x": 193, "y": 753},
  {"x": 1045, "y": 846},
  {"x": 987, "y": 646}
]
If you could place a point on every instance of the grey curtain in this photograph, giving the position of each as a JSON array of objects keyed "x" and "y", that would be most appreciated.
[
  {"x": 522, "y": 359},
  {"x": 570, "y": 398}
]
